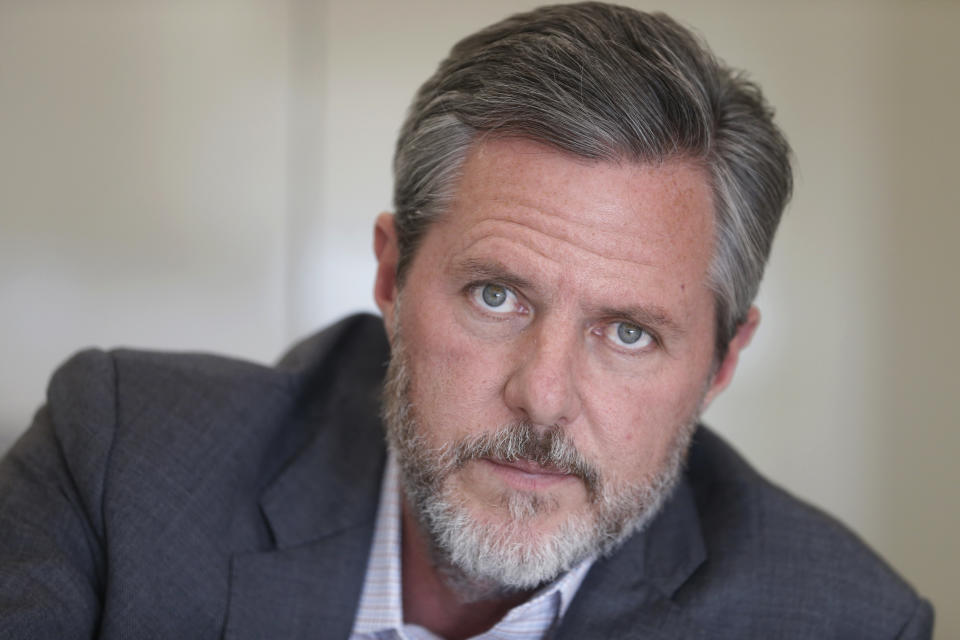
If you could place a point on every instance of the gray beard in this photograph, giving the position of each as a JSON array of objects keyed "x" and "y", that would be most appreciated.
[{"x": 482, "y": 560}]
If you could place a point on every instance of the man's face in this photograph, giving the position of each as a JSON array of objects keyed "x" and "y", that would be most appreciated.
[{"x": 560, "y": 304}]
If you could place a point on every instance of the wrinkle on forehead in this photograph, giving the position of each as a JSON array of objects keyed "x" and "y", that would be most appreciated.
[
  {"x": 529, "y": 183},
  {"x": 557, "y": 261},
  {"x": 554, "y": 240},
  {"x": 619, "y": 215}
]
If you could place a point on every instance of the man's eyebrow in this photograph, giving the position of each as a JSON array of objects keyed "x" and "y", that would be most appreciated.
[
  {"x": 650, "y": 316},
  {"x": 474, "y": 270}
]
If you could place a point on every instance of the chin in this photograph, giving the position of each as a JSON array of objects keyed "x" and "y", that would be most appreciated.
[{"x": 522, "y": 543}]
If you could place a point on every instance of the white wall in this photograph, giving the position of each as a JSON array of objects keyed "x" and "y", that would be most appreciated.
[
  {"x": 205, "y": 174},
  {"x": 142, "y": 182}
]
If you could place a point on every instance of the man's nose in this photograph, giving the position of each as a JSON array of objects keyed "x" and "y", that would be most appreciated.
[{"x": 542, "y": 386}]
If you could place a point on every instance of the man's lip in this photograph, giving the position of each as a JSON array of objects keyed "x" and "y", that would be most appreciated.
[
  {"x": 526, "y": 475},
  {"x": 528, "y": 466}
]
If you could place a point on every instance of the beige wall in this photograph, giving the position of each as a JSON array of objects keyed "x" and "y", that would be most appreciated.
[
  {"x": 142, "y": 182},
  {"x": 204, "y": 175}
]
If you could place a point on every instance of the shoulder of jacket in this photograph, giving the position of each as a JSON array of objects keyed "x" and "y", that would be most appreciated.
[
  {"x": 156, "y": 421},
  {"x": 788, "y": 555}
]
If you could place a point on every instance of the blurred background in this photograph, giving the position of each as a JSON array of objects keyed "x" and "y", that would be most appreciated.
[{"x": 204, "y": 174}]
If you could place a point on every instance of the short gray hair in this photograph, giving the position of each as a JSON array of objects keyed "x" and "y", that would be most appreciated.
[{"x": 609, "y": 83}]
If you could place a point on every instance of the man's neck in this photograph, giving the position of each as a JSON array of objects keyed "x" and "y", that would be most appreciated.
[{"x": 431, "y": 602}]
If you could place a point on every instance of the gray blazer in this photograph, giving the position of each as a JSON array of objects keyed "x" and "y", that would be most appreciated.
[{"x": 192, "y": 496}]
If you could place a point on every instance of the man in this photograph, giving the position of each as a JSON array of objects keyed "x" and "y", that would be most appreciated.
[{"x": 585, "y": 200}]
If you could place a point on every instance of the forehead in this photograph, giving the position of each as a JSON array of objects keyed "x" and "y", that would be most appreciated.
[{"x": 595, "y": 219}]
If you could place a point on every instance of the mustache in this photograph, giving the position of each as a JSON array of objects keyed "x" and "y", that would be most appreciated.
[{"x": 550, "y": 448}]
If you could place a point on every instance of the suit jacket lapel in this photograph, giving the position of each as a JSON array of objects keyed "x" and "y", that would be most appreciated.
[
  {"x": 629, "y": 594},
  {"x": 304, "y": 592},
  {"x": 321, "y": 509}
]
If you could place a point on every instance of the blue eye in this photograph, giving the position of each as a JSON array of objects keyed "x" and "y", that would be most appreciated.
[
  {"x": 628, "y": 335},
  {"x": 495, "y": 298},
  {"x": 493, "y": 295}
]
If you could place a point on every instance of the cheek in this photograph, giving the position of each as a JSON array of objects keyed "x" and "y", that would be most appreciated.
[
  {"x": 638, "y": 422},
  {"x": 457, "y": 380}
]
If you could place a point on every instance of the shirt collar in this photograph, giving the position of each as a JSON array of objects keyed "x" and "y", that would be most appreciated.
[{"x": 381, "y": 601}]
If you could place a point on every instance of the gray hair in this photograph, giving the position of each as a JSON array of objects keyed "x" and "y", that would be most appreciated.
[{"x": 608, "y": 83}]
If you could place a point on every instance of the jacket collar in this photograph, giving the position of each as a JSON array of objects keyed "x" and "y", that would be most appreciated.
[
  {"x": 629, "y": 594},
  {"x": 321, "y": 508}
]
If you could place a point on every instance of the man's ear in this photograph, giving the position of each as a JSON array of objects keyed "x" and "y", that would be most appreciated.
[
  {"x": 387, "y": 251},
  {"x": 724, "y": 372}
]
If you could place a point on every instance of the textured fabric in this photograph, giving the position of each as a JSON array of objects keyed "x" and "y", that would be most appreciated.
[
  {"x": 190, "y": 496},
  {"x": 380, "y": 612}
]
